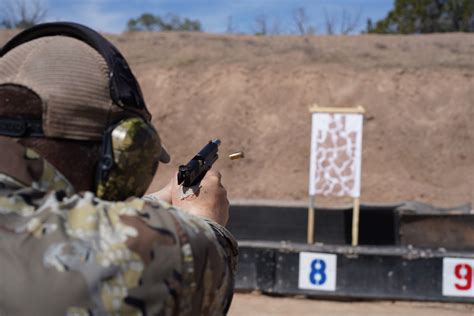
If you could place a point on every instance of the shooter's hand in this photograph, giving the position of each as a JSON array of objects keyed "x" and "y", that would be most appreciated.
[{"x": 209, "y": 201}]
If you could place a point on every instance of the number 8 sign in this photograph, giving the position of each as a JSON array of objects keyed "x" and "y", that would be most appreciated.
[
  {"x": 458, "y": 277},
  {"x": 317, "y": 271}
]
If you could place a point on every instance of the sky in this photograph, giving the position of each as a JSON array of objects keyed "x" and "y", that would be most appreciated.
[{"x": 112, "y": 15}]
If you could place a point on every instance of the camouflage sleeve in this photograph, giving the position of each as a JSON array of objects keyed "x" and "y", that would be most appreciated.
[
  {"x": 189, "y": 262},
  {"x": 74, "y": 254},
  {"x": 84, "y": 256}
]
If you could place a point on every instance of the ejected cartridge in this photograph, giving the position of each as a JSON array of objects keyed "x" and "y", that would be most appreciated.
[{"x": 237, "y": 155}]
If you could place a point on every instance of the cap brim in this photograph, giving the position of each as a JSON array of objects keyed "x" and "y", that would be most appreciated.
[{"x": 164, "y": 156}]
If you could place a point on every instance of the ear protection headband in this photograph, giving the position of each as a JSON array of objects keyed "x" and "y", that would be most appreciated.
[
  {"x": 131, "y": 148},
  {"x": 124, "y": 88}
]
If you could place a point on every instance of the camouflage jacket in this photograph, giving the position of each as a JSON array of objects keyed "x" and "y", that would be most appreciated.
[{"x": 63, "y": 253}]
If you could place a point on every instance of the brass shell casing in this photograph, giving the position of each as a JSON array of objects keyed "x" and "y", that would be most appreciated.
[{"x": 237, "y": 155}]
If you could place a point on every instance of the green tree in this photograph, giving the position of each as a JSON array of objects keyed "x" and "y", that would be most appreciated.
[
  {"x": 170, "y": 22},
  {"x": 426, "y": 16}
]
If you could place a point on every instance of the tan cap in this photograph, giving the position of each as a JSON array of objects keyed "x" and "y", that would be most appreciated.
[{"x": 71, "y": 78}]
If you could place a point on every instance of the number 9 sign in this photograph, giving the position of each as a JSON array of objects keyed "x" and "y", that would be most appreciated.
[{"x": 458, "y": 277}]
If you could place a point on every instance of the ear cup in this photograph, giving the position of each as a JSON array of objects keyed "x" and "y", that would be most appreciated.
[{"x": 130, "y": 153}]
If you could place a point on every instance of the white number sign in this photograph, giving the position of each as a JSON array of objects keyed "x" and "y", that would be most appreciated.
[
  {"x": 317, "y": 271},
  {"x": 458, "y": 277}
]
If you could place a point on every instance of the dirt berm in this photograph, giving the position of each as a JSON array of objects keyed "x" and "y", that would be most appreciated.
[{"x": 254, "y": 93}]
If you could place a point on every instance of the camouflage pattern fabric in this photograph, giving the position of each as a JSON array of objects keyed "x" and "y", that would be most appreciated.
[
  {"x": 63, "y": 253},
  {"x": 135, "y": 150}
]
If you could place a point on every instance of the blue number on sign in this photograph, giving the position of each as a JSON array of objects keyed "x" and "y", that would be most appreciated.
[{"x": 318, "y": 272}]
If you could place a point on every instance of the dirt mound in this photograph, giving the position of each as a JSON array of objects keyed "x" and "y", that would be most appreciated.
[{"x": 254, "y": 92}]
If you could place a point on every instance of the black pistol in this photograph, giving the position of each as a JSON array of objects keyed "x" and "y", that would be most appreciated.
[{"x": 194, "y": 171}]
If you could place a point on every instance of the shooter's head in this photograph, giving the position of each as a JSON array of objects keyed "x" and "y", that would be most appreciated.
[{"x": 67, "y": 93}]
